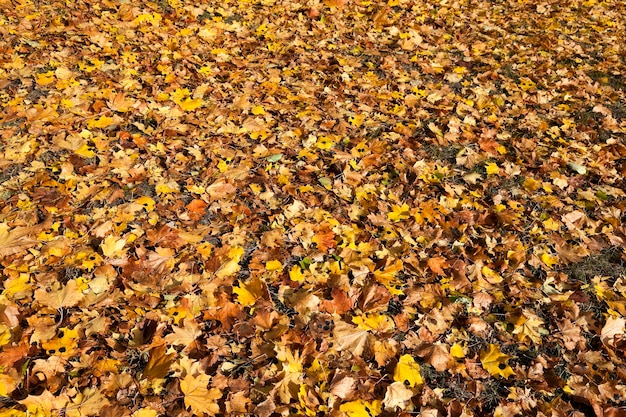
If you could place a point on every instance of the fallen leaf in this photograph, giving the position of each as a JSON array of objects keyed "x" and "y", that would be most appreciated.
[{"x": 198, "y": 397}]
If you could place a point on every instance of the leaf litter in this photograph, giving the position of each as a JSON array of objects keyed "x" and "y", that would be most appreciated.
[{"x": 346, "y": 208}]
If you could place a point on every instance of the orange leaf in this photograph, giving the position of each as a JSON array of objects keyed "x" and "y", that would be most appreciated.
[
  {"x": 197, "y": 207},
  {"x": 437, "y": 264}
]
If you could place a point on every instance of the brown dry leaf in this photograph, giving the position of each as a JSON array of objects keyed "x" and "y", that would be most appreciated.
[
  {"x": 613, "y": 330},
  {"x": 88, "y": 402},
  {"x": 350, "y": 338},
  {"x": 159, "y": 363},
  {"x": 68, "y": 296},
  {"x": 439, "y": 357},
  {"x": 15, "y": 240},
  {"x": 185, "y": 335},
  {"x": 342, "y": 386},
  {"x": 397, "y": 396}
]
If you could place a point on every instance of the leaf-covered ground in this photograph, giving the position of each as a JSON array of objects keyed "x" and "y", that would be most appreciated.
[{"x": 351, "y": 208}]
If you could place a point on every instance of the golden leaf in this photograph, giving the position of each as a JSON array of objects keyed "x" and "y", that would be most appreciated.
[
  {"x": 408, "y": 372},
  {"x": 528, "y": 326},
  {"x": 112, "y": 246},
  {"x": 399, "y": 213},
  {"x": 492, "y": 168},
  {"x": 198, "y": 397},
  {"x": 361, "y": 408},
  {"x": 68, "y": 296},
  {"x": 89, "y": 402},
  {"x": 15, "y": 240},
  {"x": 64, "y": 344},
  {"x": 377, "y": 322},
  {"x": 495, "y": 362},
  {"x": 273, "y": 266}
]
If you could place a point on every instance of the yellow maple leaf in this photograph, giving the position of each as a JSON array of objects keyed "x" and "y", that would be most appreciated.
[
  {"x": 325, "y": 142},
  {"x": 244, "y": 297},
  {"x": 296, "y": 274},
  {"x": 5, "y": 334},
  {"x": 147, "y": 203},
  {"x": 550, "y": 224},
  {"x": 528, "y": 326},
  {"x": 527, "y": 84},
  {"x": 198, "y": 397},
  {"x": 273, "y": 266},
  {"x": 361, "y": 408},
  {"x": 9, "y": 380},
  {"x": 145, "y": 412},
  {"x": 549, "y": 260},
  {"x": 85, "y": 151},
  {"x": 100, "y": 122},
  {"x": 63, "y": 344},
  {"x": 45, "y": 78},
  {"x": 492, "y": 168},
  {"x": 112, "y": 246},
  {"x": 398, "y": 213},
  {"x": 408, "y": 372},
  {"x": 190, "y": 104},
  {"x": 164, "y": 189},
  {"x": 387, "y": 277},
  {"x": 258, "y": 110},
  {"x": 205, "y": 250},
  {"x": 357, "y": 120},
  {"x": 495, "y": 362},
  {"x": 249, "y": 292},
  {"x": 374, "y": 322},
  {"x": 490, "y": 275},
  {"x": 456, "y": 351},
  {"x": 17, "y": 287}
]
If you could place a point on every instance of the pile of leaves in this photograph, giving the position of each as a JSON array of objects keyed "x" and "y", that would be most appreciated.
[{"x": 347, "y": 208}]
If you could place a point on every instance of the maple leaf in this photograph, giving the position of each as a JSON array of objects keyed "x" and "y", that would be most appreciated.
[
  {"x": 495, "y": 362},
  {"x": 350, "y": 338},
  {"x": 68, "y": 296},
  {"x": 407, "y": 372},
  {"x": 159, "y": 363},
  {"x": 399, "y": 213},
  {"x": 397, "y": 396},
  {"x": 9, "y": 380},
  {"x": 5, "y": 334},
  {"x": 184, "y": 335},
  {"x": 64, "y": 344},
  {"x": 15, "y": 240},
  {"x": 492, "y": 168},
  {"x": 361, "y": 408},
  {"x": 145, "y": 412},
  {"x": 198, "y": 397},
  {"x": 273, "y": 265},
  {"x": 248, "y": 293},
  {"x": 528, "y": 325},
  {"x": 86, "y": 403},
  {"x": 112, "y": 246},
  {"x": 44, "y": 405},
  {"x": 436, "y": 264},
  {"x": 374, "y": 322}
]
